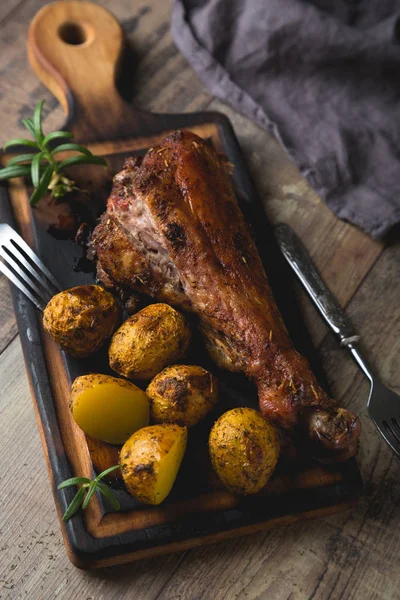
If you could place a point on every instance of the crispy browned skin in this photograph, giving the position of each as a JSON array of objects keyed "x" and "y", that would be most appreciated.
[
  {"x": 180, "y": 202},
  {"x": 82, "y": 319}
]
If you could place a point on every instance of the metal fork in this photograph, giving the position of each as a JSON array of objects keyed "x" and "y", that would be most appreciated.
[
  {"x": 383, "y": 404},
  {"x": 24, "y": 269}
]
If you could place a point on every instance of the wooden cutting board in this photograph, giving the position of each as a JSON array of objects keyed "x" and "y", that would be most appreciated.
[{"x": 75, "y": 48}]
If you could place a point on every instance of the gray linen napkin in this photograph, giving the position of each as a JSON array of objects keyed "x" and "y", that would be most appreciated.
[{"x": 323, "y": 76}]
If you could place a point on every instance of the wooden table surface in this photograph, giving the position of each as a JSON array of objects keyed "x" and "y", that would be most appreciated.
[{"x": 355, "y": 554}]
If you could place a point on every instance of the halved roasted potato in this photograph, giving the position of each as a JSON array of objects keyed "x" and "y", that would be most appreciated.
[
  {"x": 108, "y": 408},
  {"x": 150, "y": 461}
]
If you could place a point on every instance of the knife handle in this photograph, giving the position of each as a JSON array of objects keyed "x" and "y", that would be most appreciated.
[{"x": 298, "y": 258}]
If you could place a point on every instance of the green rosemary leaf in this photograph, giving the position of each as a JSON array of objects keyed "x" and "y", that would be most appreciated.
[
  {"x": 81, "y": 160},
  {"x": 41, "y": 189},
  {"x": 35, "y": 169},
  {"x": 55, "y": 135},
  {"x": 28, "y": 123},
  {"x": 91, "y": 491},
  {"x": 37, "y": 121},
  {"x": 73, "y": 481},
  {"x": 72, "y": 147},
  {"x": 14, "y": 171},
  {"x": 43, "y": 166},
  {"x": 109, "y": 494},
  {"x": 106, "y": 472},
  {"x": 21, "y": 158},
  {"x": 75, "y": 504},
  {"x": 20, "y": 142}
]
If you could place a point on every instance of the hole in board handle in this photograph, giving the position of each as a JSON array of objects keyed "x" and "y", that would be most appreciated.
[{"x": 74, "y": 34}]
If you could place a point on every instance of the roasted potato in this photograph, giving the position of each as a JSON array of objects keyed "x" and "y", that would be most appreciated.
[
  {"x": 182, "y": 394},
  {"x": 108, "y": 408},
  {"x": 150, "y": 461},
  {"x": 153, "y": 338},
  {"x": 244, "y": 450},
  {"x": 82, "y": 319},
  {"x": 104, "y": 456}
]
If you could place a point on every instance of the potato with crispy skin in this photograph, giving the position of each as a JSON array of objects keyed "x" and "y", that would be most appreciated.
[
  {"x": 244, "y": 450},
  {"x": 82, "y": 319},
  {"x": 150, "y": 461},
  {"x": 108, "y": 408},
  {"x": 153, "y": 338},
  {"x": 182, "y": 394}
]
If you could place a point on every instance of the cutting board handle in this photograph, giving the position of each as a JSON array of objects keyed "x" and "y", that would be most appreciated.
[{"x": 75, "y": 48}]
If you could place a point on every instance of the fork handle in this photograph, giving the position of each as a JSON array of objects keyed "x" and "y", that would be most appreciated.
[{"x": 298, "y": 258}]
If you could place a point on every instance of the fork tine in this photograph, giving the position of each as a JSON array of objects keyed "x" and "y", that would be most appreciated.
[
  {"x": 6, "y": 271},
  {"x": 12, "y": 265},
  {"x": 395, "y": 427},
  {"x": 17, "y": 239},
  {"x": 16, "y": 253},
  {"x": 389, "y": 425},
  {"x": 388, "y": 435}
]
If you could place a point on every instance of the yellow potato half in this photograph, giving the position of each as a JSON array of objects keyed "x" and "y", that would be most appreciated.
[
  {"x": 108, "y": 408},
  {"x": 244, "y": 449},
  {"x": 150, "y": 461},
  {"x": 182, "y": 394},
  {"x": 151, "y": 339}
]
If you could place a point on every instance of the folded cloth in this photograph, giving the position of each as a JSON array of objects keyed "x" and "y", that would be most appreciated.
[{"x": 323, "y": 76}]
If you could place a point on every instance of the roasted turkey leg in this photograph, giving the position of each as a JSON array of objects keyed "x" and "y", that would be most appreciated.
[{"x": 173, "y": 229}]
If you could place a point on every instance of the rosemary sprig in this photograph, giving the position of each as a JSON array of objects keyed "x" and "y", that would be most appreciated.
[
  {"x": 86, "y": 491},
  {"x": 46, "y": 172}
]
